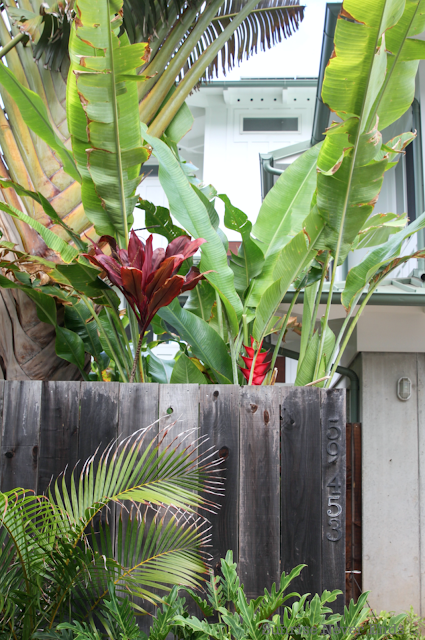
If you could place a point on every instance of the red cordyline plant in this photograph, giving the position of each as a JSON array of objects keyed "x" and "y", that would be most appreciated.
[
  {"x": 261, "y": 368},
  {"x": 147, "y": 277}
]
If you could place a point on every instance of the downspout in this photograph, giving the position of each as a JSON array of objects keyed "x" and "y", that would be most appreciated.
[
  {"x": 419, "y": 179},
  {"x": 343, "y": 371}
]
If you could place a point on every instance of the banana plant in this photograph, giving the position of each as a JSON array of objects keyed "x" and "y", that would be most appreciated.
[
  {"x": 35, "y": 133},
  {"x": 322, "y": 206}
]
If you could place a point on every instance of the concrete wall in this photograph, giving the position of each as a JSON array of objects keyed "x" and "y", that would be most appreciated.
[{"x": 393, "y": 472}]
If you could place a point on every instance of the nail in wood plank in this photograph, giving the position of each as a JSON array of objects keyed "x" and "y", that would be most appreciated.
[
  {"x": 219, "y": 420},
  {"x": 20, "y": 434},
  {"x": 259, "y": 509},
  {"x": 138, "y": 409},
  {"x": 301, "y": 487}
]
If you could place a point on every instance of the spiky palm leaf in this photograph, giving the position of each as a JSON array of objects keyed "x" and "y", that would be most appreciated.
[{"x": 60, "y": 554}]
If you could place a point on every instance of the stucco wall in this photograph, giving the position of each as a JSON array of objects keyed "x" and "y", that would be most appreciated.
[{"x": 393, "y": 472}]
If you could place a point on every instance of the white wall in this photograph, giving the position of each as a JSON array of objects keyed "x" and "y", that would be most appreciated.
[{"x": 393, "y": 479}]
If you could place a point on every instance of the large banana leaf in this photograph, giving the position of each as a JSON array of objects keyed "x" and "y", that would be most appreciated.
[
  {"x": 360, "y": 275},
  {"x": 205, "y": 342},
  {"x": 190, "y": 211},
  {"x": 356, "y": 86},
  {"x": 249, "y": 261},
  {"x": 282, "y": 215},
  {"x": 103, "y": 115},
  {"x": 295, "y": 256}
]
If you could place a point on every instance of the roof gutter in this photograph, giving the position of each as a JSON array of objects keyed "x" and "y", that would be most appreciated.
[{"x": 376, "y": 299}]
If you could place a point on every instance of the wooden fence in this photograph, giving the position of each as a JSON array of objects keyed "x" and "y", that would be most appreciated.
[{"x": 284, "y": 451}]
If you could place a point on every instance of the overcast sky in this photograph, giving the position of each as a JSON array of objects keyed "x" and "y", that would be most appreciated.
[{"x": 298, "y": 56}]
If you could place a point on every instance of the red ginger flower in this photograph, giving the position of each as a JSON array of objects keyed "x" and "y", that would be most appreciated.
[
  {"x": 148, "y": 278},
  {"x": 261, "y": 368}
]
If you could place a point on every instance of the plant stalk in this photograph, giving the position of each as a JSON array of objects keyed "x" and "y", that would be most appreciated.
[
  {"x": 282, "y": 331},
  {"x": 219, "y": 315},
  {"x": 136, "y": 360},
  {"x": 318, "y": 296},
  {"x": 94, "y": 315},
  {"x": 10, "y": 45},
  {"x": 233, "y": 355},
  {"x": 350, "y": 331},
  {"x": 245, "y": 329}
]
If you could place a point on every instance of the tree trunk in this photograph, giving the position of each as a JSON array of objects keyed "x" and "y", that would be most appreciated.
[{"x": 27, "y": 345}]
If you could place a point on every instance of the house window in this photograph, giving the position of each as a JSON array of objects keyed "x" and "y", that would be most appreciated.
[{"x": 269, "y": 125}]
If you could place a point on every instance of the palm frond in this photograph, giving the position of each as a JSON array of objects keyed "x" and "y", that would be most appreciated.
[
  {"x": 268, "y": 24},
  {"x": 150, "y": 473}
]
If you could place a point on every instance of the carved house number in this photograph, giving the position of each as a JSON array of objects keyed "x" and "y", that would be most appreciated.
[{"x": 334, "y": 485}]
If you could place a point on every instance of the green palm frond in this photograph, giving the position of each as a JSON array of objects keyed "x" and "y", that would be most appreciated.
[
  {"x": 130, "y": 519},
  {"x": 268, "y": 24}
]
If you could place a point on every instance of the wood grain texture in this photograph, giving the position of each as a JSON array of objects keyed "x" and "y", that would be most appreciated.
[
  {"x": 301, "y": 486},
  {"x": 20, "y": 435},
  {"x": 98, "y": 428},
  {"x": 259, "y": 506},
  {"x": 59, "y": 428},
  {"x": 353, "y": 522},
  {"x": 333, "y": 493},
  {"x": 219, "y": 420},
  {"x": 138, "y": 409}
]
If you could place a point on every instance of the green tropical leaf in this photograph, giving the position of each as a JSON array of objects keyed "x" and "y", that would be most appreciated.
[
  {"x": 65, "y": 251},
  {"x": 205, "y": 342},
  {"x": 398, "y": 90},
  {"x": 79, "y": 320},
  {"x": 185, "y": 372},
  {"x": 188, "y": 209},
  {"x": 360, "y": 275},
  {"x": 48, "y": 209},
  {"x": 108, "y": 150},
  {"x": 69, "y": 346},
  {"x": 158, "y": 220},
  {"x": 250, "y": 259},
  {"x": 378, "y": 229},
  {"x": 34, "y": 113},
  {"x": 201, "y": 300},
  {"x": 308, "y": 307},
  {"x": 159, "y": 369},
  {"x": 357, "y": 80},
  {"x": 305, "y": 372},
  {"x": 111, "y": 343},
  {"x": 292, "y": 259},
  {"x": 284, "y": 208}
]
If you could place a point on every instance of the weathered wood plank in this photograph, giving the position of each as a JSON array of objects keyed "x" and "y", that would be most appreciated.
[
  {"x": 301, "y": 486},
  {"x": 353, "y": 528},
  {"x": 219, "y": 420},
  {"x": 98, "y": 417},
  {"x": 20, "y": 434},
  {"x": 98, "y": 428},
  {"x": 259, "y": 508},
  {"x": 138, "y": 409},
  {"x": 59, "y": 428},
  {"x": 333, "y": 493},
  {"x": 179, "y": 403}
]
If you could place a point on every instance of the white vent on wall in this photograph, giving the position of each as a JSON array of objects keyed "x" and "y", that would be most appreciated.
[{"x": 269, "y": 125}]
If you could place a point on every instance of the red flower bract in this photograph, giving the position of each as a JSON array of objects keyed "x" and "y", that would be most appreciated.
[
  {"x": 148, "y": 278},
  {"x": 260, "y": 368}
]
